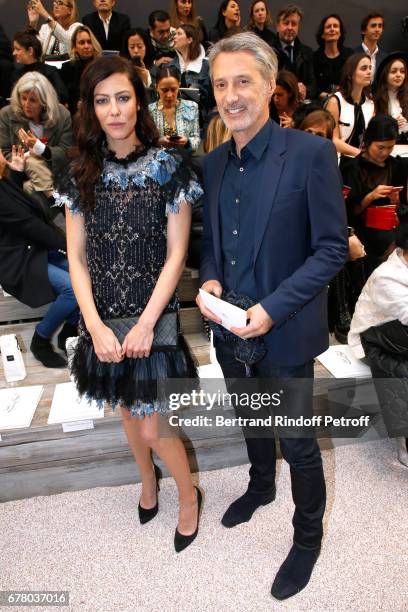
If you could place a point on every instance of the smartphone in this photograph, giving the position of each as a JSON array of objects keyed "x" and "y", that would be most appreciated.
[
  {"x": 346, "y": 191},
  {"x": 397, "y": 188},
  {"x": 175, "y": 138},
  {"x": 137, "y": 61}
]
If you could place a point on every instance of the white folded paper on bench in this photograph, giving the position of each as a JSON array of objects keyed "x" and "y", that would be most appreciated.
[
  {"x": 67, "y": 406},
  {"x": 341, "y": 362},
  {"x": 18, "y": 405}
]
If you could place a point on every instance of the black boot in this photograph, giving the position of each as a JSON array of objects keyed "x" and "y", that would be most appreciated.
[
  {"x": 43, "y": 350},
  {"x": 294, "y": 573},
  {"x": 68, "y": 331}
]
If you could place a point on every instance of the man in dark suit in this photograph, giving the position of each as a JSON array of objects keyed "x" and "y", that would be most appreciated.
[
  {"x": 292, "y": 54},
  {"x": 108, "y": 26},
  {"x": 275, "y": 231},
  {"x": 372, "y": 28}
]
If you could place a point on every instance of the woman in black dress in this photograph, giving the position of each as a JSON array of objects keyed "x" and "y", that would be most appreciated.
[
  {"x": 329, "y": 58},
  {"x": 259, "y": 21},
  {"x": 128, "y": 222}
]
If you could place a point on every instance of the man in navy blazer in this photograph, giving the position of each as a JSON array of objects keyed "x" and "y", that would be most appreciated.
[
  {"x": 108, "y": 26},
  {"x": 274, "y": 230}
]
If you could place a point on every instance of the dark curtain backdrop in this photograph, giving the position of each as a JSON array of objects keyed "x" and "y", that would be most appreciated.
[{"x": 13, "y": 16}]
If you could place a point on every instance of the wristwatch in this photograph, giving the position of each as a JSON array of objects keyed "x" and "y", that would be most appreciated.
[{"x": 49, "y": 18}]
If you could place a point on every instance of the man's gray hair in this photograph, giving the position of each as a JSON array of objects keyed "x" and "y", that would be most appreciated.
[{"x": 263, "y": 54}]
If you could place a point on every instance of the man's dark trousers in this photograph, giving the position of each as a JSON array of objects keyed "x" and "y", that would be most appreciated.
[{"x": 302, "y": 454}]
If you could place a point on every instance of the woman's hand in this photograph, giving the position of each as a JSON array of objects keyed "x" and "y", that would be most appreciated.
[
  {"x": 181, "y": 142},
  {"x": 107, "y": 346},
  {"x": 165, "y": 141},
  {"x": 401, "y": 121},
  {"x": 38, "y": 7},
  {"x": 381, "y": 191},
  {"x": 32, "y": 14},
  {"x": 17, "y": 162},
  {"x": 27, "y": 138},
  {"x": 286, "y": 121},
  {"x": 138, "y": 341}
]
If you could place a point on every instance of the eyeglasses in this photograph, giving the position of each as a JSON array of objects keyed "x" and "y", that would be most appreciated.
[{"x": 62, "y": 3}]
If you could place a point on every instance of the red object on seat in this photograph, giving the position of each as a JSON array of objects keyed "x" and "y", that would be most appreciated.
[{"x": 381, "y": 217}]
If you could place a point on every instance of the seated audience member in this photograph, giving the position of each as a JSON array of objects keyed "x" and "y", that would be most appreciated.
[
  {"x": 229, "y": 16},
  {"x": 292, "y": 54},
  {"x": 285, "y": 99},
  {"x": 260, "y": 20},
  {"x": 372, "y": 28},
  {"x": 391, "y": 91},
  {"x": 6, "y": 65},
  {"x": 161, "y": 37},
  {"x": 184, "y": 12},
  {"x": 137, "y": 48},
  {"x": 217, "y": 134},
  {"x": 27, "y": 52},
  {"x": 42, "y": 126},
  {"x": 176, "y": 119},
  {"x": 329, "y": 58},
  {"x": 379, "y": 331},
  {"x": 192, "y": 64},
  {"x": 84, "y": 48},
  {"x": 33, "y": 264},
  {"x": 352, "y": 106},
  {"x": 378, "y": 182},
  {"x": 321, "y": 123},
  {"x": 107, "y": 25},
  {"x": 56, "y": 33}
]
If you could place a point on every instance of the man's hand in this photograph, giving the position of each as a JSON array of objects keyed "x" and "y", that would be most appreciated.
[
  {"x": 138, "y": 341},
  {"x": 163, "y": 60},
  {"x": 259, "y": 323},
  {"x": 214, "y": 287}
]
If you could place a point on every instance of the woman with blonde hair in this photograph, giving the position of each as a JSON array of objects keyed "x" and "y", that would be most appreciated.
[
  {"x": 35, "y": 120},
  {"x": 217, "y": 134},
  {"x": 56, "y": 33},
  {"x": 84, "y": 48}
]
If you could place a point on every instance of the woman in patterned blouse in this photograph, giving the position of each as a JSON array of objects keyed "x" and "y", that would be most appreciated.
[{"x": 177, "y": 120}]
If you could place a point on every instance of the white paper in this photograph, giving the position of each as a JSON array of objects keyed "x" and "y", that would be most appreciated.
[
  {"x": 401, "y": 150},
  {"x": 341, "y": 363},
  {"x": 17, "y": 406},
  {"x": 230, "y": 315},
  {"x": 77, "y": 426},
  {"x": 67, "y": 406},
  {"x": 211, "y": 370}
]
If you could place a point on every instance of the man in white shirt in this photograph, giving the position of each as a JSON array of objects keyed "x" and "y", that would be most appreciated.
[{"x": 372, "y": 28}]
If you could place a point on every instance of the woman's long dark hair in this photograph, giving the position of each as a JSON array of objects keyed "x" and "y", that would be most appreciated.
[
  {"x": 149, "y": 57},
  {"x": 349, "y": 68},
  {"x": 90, "y": 136},
  {"x": 220, "y": 23},
  {"x": 381, "y": 99},
  {"x": 190, "y": 31}
]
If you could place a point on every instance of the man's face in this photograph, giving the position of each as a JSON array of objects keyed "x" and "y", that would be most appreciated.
[
  {"x": 288, "y": 28},
  {"x": 374, "y": 29},
  {"x": 161, "y": 31},
  {"x": 241, "y": 92},
  {"x": 104, "y": 5}
]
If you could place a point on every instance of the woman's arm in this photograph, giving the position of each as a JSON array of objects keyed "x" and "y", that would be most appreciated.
[
  {"x": 139, "y": 340},
  {"x": 341, "y": 147},
  {"x": 106, "y": 345},
  {"x": 381, "y": 191}
]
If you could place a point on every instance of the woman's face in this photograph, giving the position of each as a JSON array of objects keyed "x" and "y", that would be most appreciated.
[
  {"x": 396, "y": 75},
  {"x": 21, "y": 54},
  {"x": 84, "y": 46},
  {"x": 281, "y": 99},
  {"x": 232, "y": 12},
  {"x": 317, "y": 130},
  {"x": 184, "y": 8},
  {"x": 259, "y": 13},
  {"x": 136, "y": 47},
  {"x": 331, "y": 30},
  {"x": 115, "y": 106},
  {"x": 379, "y": 150},
  {"x": 168, "y": 89},
  {"x": 362, "y": 73},
  {"x": 62, "y": 10},
  {"x": 181, "y": 40},
  {"x": 31, "y": 105}
]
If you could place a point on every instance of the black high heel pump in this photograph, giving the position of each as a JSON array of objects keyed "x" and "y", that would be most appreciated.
[
  {"x": 182, "y": 541},
  {"x": 147, "y": 514}
]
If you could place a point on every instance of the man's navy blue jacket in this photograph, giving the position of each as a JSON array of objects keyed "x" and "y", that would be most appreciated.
[{"x": 300, "y": 239}]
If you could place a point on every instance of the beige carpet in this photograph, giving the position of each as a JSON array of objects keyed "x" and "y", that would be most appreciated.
[{"x": 91, "y": 544}]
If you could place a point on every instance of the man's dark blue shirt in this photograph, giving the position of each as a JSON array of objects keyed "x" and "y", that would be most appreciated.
[{"x": 239, "y": 201}]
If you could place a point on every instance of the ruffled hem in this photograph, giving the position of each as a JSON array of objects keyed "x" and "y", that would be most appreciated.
[{"x": 132, "y": 383}]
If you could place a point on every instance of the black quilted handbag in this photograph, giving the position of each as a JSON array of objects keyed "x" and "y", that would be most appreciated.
[{"x": 166, "y": 330}]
